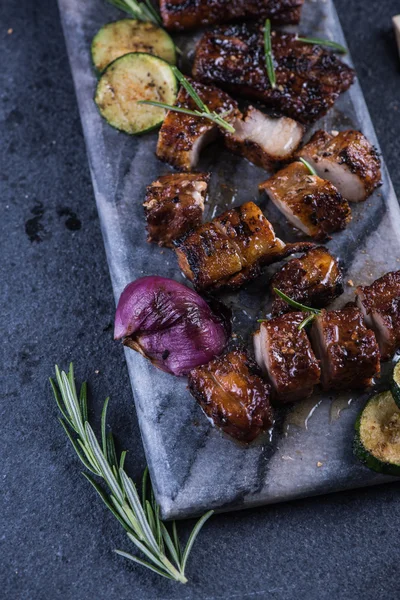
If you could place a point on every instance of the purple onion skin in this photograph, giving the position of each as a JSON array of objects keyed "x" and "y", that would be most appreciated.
[{"x": 170, "y": 324}]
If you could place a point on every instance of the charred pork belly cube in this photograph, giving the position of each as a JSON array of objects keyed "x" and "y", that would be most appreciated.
[
  {"x": 182, "y": 137},
  {"x": 231, "y": 249},
  {"x": 380, "y": 304},
  {"x": 233, "y": 395},
  {"x": 174, "y": 204},
  {"x": 348, "y": 351},
  {"x": 348, "y": 160},
  {"x": 179, "y": 15},
  {"x": 309, "y": 78},
  {"x": 310, "y": 203},
  {"x": 314, "y": 279},
  {"x": 264, "y": 140},
  {"x": 284, "y": 353}
]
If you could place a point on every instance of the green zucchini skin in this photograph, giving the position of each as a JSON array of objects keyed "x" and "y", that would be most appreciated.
[
  {"x": 395, "y": 385},
  {"x": 122, "y": 37},
  {"x": 366, "y": 456}
]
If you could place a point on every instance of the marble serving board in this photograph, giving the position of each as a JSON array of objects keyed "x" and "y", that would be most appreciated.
[{"x": 194, "y": 466}]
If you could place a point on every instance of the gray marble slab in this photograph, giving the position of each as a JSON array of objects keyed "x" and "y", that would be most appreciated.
[{"x": 193, "y": 466}]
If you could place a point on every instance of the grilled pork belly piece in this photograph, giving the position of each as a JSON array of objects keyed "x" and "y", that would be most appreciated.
[
  {"x": 284, "y": 353},
  {"x": 178, "y": 15},
  {"x": 314, "y": 279},
  {"x": 348, "y": 351},
  {"x": 233, "y": 395},
  {"x": 182, "y": 137},
  {"x": 310, "y": 203},
  {"x": 264, "y": 140},
  {"x": 380, "y": 304},
  {"x": 309, "y": 79},
  {"x": 231, "y": 249},
  {"x": 174, "y": 204},
  {"x": 348, "y": 160}
]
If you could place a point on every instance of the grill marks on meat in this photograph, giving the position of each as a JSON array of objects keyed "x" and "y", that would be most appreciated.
[
  {"x": 284, "y": 353},
  {"x": 232, "y": 395},
  {"x": 309, "y": 78},
  {"x": 178, "y": 15},
  {"x": 348, "y": 160},
  {"x": 380, "y": 304},
  {"x": 264, "y": 140},
  {"x": 348, "y": 351},
  {"x": 174, "y": 204},
  {"x": 310, "y": 203},
  {"x": 182, "y": 137},
  {"x": 314, "y": 279},
  {"x": 231, "y": 249}
]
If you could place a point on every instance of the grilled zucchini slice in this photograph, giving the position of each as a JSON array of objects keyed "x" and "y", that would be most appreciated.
[
  {"x": 128, "y": 35},
  {"x": 377, "y": 439},
  {"x": 395, "y": 387},
  {"x": 132, "y": 77}
]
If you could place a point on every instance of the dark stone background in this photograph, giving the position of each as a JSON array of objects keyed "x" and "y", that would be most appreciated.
[{"x": 56, "y": 536}]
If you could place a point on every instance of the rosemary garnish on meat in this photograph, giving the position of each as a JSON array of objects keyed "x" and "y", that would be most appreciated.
[
  {"x": 142, "y": 10},
  {"x": 140, "y": 517},
  {"x": 321, "y": 42},
  {"x": 203, "y": 112},
  {"x": 312, "y": 312},
  {"x": 309, "y": 167},
  {"x": 269, "y": 57}
]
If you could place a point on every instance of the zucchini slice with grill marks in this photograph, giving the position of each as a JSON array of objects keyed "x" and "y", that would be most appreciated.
[
  {"x": 395, "y": 387},
  {"x": 129, "y": 35},
  {"x": 132, "y": 77},
  {"x": 377, "y": 439}
]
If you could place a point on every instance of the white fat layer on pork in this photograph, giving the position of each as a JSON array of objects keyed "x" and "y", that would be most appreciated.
[
  {"x": 258, "y": 351},
  {"x": 375, "y": 321},
  {"x": 278, "y": 137},
  {"x": 320, "y": 350},
  {"x": 202, "y": 141},
  {"x": 266, "y": 354},
  {"x": 350, "y": 185},
  {"x": 284, "y": 208}
]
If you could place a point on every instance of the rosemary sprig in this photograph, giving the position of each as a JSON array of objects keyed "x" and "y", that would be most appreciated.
[
  {"x": 203, "y": 112},
  {"x": 141, "y": 10},
  {"x": 309, "y": 167},
  {"x": 312, "y": 312},
  {"x": 139, "y": 517},
  {"x": 322, "y": 42},
  {"x": 269, "y": 57}
]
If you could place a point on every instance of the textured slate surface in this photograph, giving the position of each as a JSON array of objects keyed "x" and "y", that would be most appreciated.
[{"x": 57, "y": 305}]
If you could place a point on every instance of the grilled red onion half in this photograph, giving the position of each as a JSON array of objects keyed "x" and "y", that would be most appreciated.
[{"x": 170, "y": 324}]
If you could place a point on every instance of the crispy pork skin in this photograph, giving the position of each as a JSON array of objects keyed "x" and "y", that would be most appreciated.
[
  {"x": 174, "y": 204},
  {"x": 348, "y": 160},
  {"x": 230, "y": 250},
  {"x": 284, "y": 353},
  {"x": 314, "y": 279},
  {"x": 179, "y": 15},
  {"x": 348, "y": 351},
  {"x": 380, "y": 304},
  {"x": 264, "y": 140},
  {"x": 182, "y": 137},
  {"x": 309, "y": 78},
  {"x": 310, "y": 203},
  {"x": 233, "y": 395}
]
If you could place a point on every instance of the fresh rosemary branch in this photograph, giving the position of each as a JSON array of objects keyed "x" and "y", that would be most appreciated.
[
  {"x": 321, "y": 42},
  {"x": 203, "y": 112},
  {"x": 312, "y": 312},
  {"x": 139, "y": 517},
  {"x": 269, "y": 57},
  {"x": 309, "y": 167},
  {"x": 141, "y": 10}
]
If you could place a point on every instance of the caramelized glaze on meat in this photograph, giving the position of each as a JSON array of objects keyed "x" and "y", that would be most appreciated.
[
  {"x": 178, "y": 15},
  {"x": 174, "y": 204},
  {"x": 380, "y": 303},
  {"x": 284, "y": 352},
  {"x": 231, "y": 249},
  {"x": 348, "y": 160},
  {"x": 348, "y": 351},
  {"x": 309, "y": 78},
  {"x": 182, "y": 137},
  {"x": 264, "y": 140},
  {"x": 233, "y": 395},
  {"x": 314, "y": 279},
  {"x": 310, "y": 203}
]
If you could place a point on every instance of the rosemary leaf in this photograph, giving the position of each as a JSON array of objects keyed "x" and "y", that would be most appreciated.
[
  {"x": 309, "y": 167},
  {"x": 322, "y": 42},
  {"x": 132, "y": 495},
  {"x": 83, "y": 401},
  {"x": 190, "y": 90},
  {"x": 145, "y": 477},
  {"x": 176, "y": 540},
  {"x": 75, "y": 446},
  {"x": 58, "y": 400},
  {"x": 106, "y": 501},
  {"x": 139, "y": 561},
  {"x": 211, "y": 116},
  {"x": 295, "y": 304},
  {"x": 143, "y": 11},
  {"x": 192, "y": 537},
  {"x": 306, "y": 321},
  {"x": 269, "y": 57},
  {"x": 104, "y": 466},
  {"x": 103, "y": 426},
  {"x": 170, "y": 545}
]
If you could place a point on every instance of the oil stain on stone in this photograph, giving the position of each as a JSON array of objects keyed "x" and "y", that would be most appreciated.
[
  {"x": 72, "y": 222},
  {"x": 34, "y": 227}
]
